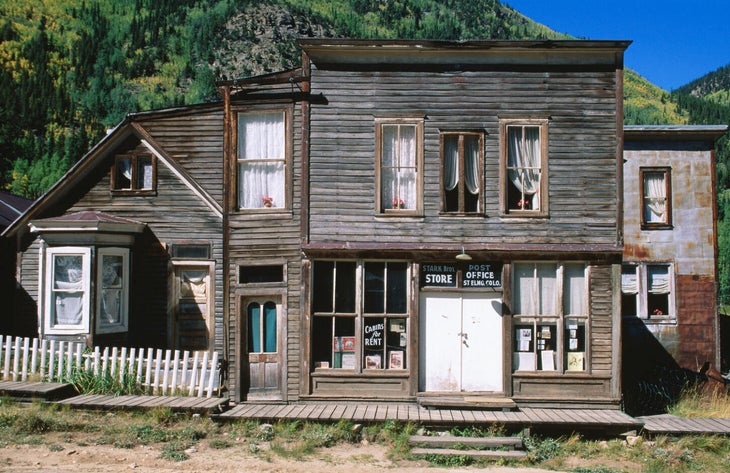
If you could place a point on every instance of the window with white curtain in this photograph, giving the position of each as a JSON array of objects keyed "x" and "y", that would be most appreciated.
[
  {"x": 67, "y": 287},
  {"x": 524, "y": 158},
  {"x": 68, "y": 297},
  {"x": 112, "y": 288},
  {"x": 647, "y": 291},
  {"x": 262, "y": 160},
  {"x": 550, "y": 335},
  {"x": 461, "y": 155},
  {"x": 134, "y": 172},
  {"x": 399, "y": 158},
  {"x": 656, "y": 193}
]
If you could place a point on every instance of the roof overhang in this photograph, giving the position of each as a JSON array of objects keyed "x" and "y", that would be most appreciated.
[
  {"x": 87, "y": 227},
  {"x": 674, "y": 132},
  {"x": 333, "y": 53}
]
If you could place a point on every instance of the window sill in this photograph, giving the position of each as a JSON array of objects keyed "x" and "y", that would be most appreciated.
[
  {"x": 271, "y": 213},
  {"x": 661, "y": 226},
  {"x": 657, "y": 320},
  {"x": 527, "y": 214},
  {"x": 461, "y": 215},
  {"x": 347, "y": 373},
  {"x": 134, "y": 193}
]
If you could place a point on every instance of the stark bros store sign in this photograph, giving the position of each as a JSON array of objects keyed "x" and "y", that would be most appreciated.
[{"x": 486, "y": 275}]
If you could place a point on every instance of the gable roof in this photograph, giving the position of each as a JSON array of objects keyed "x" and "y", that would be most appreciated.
[
  {"x": 129, "y": 127},
  {"x": 11, "y": 207}
]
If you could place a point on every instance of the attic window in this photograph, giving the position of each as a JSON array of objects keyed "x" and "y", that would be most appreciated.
[{"x": 134, "y": 172}]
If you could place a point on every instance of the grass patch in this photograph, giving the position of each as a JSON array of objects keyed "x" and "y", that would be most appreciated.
[{"x": 696, "y": 402}]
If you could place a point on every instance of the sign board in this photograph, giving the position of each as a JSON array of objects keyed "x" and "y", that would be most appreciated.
[
  {"x": 374, "y": 334},
  {"x": 438, "y": 275},
  {"x": 484, "y": 275}
]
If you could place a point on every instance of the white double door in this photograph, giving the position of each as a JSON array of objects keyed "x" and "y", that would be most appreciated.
[{"x": 460, "y": 343}]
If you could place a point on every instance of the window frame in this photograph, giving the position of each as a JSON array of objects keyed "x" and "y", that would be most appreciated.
[
  {"x": 643, "y": 310},
  {"x": 123, "y": 324},
  {"x": 358, "y": 319},
  {"x": 133, "y": 156},
  {"x": 667, "y": 172},
  {"x": 461, "y": 183},
  {"x": 48, "y": 308},
  {"x": 380, "y": 208},
  {"x": 286, "y": 159},
  {"x": 561, "y": 321},
  {"x": 542, "y": 125}
]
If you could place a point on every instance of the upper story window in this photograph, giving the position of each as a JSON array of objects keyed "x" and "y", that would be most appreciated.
[
  {"x": 647, "y": 291},
  {"x": 262, "y": 160},
  {"x": 551, "y": 310},
  {"x": 524, "y": 166},
  {"x": 134, "y": 172},
  {"x": 461, "y": 155},
  {"x": 656, "y": 198},
  {"x": 399, "y": 162}
]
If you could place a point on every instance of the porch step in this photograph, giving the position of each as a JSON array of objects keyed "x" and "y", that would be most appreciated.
[
  {"x": 473, "y": 447},
  {"x": 468, "y": 402}
]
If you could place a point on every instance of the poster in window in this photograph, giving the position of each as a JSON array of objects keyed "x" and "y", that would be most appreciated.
[
  {"x": 396, "y": 360},
  {"x": 348, "y": 361},
  {"x": 576, "y": 361},
  {"x": 373, "y": 362}
]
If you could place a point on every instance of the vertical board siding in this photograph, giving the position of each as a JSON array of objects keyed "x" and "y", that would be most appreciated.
[{"x": 601, "y": 320}]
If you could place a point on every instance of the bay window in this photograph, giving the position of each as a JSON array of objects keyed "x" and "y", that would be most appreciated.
[
  {"x": 524, "y": 166},
  {"x": 360, "y": 315},
  {"x": 461, "y": 155},
  {"x": 399, "y": 163},
  {"x": 550, "y": 306},
  {"x": 261, "y": 160}
]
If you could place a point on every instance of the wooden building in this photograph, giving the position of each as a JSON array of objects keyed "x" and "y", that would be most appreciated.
[{"x": 439, "y": 222}]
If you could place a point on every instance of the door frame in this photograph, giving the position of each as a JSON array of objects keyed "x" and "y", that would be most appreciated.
[
  {"x": 242, "y": 384},
  {"x": 506, "y": 339},
  {"x": 200, "y": 265}
]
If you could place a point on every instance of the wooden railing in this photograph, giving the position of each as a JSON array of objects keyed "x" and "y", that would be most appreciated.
[{"x": 160, "y": 372}]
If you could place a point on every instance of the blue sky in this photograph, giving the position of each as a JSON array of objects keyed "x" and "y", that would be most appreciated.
[{"x": 674, "y": 41}]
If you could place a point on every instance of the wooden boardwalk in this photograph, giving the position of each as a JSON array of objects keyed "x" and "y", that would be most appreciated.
[
  {"x": 668, "y": 424},
  {"x": 539, "y": 419},
  {"x": 129, "y": 402},
  {"x": 25, "y": 391}
]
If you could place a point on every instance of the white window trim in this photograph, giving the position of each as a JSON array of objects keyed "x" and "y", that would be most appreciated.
[
  {"x": 48, "y": 309},
  {"x": 123, "y": 324}
]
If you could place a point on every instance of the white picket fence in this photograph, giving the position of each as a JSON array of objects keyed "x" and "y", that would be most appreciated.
[{"x": 160, "y": 372}]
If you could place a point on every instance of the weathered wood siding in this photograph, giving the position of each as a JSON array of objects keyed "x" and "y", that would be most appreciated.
[
  {"x": 173, "y": 214},
  {"x": 271, "y": 237},
  {"x": 582, "y": 174}
]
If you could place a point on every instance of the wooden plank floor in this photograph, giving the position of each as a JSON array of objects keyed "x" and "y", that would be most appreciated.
[
  {"x": 175, "y": 403},
  {"x": 614, "y": 420},
  {"x": 22, "y": 390},
  {"x": 671, "y": 425}
]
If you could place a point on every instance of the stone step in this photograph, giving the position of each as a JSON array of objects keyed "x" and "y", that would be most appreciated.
[
  {"x": 508, "y": 454},
  {"x": 465, "y": 442}
]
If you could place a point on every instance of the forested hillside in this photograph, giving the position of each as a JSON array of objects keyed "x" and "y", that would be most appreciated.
[{"x": 71, "y": 69}]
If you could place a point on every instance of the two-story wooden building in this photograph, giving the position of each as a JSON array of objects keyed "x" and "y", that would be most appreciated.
[{"x": 438, "y": 222}]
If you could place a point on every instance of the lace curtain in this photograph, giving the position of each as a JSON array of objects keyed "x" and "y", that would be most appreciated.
[
  {"x": 523, "y": 161},
  {"x": 574, "y": 297},
  {"x": 68, "y": 289},
  {"x": 261, "y": 154},
  {"x": 536, "y": 289},
  {"x": 655, "y": 197},
  {"x": 471, "y": 164},
  {"x": 399, "y": 167},
  {"x": 111, "y": 290}
]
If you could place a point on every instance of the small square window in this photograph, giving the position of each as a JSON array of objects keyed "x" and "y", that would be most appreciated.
[{"x": 134, "y": 173}]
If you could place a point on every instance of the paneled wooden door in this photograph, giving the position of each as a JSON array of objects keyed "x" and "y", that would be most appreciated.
[
  {"x": 460, "y": 343},
  {"x": 262, "y": 322},
  {"x": 192, "y": 307}
]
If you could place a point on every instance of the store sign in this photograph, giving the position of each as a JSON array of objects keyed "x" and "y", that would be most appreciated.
[
  {"x": 438, "y": 275},
  {"x": 473, "y": 275},
  {"x": 482, "y": 275},
  {"x": 374, "y": 334}
]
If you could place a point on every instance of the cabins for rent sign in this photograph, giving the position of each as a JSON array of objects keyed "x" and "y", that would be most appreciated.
[{"x": 472, "y": 275}]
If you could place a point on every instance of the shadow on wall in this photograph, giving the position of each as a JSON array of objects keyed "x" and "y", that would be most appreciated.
[
  {"x": 652, "y": 379},
  {"x": 724, "y": 343}
]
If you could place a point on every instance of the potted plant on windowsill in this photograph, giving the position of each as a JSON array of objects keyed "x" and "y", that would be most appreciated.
[
  {"x": 398, "y": 203},
  {"x": 267, "y": 201}
]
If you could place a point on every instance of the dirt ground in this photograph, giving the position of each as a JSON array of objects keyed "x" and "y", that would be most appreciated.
[{"x": 146, "y": 459}]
